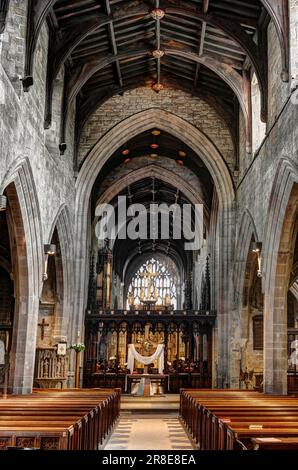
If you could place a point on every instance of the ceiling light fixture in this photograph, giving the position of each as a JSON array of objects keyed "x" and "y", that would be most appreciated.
[
  {"x": 181, "y": 153},
  {"x": 156, "y": 132},
  {"x": 50, "y": 250},
  {"x": 154, "y": 146},
  {"x": 157, "y": 87},
  {"x": 256, "y": 247},
  {"x": 158, "y": 54},
  {"x": 125, "y": 152},
  {"x": 157, "y": 14}
]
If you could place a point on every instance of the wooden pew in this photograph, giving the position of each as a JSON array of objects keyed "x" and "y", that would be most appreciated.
[
  {"x": 273, "y": 443},
  {"x": 229, "y": 419},
  {"x": 51, "y": 419}
]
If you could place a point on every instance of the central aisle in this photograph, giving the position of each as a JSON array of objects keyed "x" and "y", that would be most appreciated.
[
  {"x": 145, "y": 433},
  {"x": 149, "y": 423}
]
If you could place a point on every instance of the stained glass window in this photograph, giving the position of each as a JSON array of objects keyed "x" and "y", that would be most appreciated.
[{"x": 153, "y": 282}]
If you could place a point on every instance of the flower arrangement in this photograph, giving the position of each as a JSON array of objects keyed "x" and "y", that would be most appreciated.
[{"x": 78, "y": 347}]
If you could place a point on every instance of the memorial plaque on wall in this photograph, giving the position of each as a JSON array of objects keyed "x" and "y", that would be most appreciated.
[
  {"x": 258, "y": 332},
  {"x": 46, "y": 309}
]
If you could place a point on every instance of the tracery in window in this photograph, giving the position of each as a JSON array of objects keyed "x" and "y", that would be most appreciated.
[{"x": 153, "y": 284}]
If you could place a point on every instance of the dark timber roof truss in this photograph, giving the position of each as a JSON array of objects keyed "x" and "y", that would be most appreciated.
[{"x": 208, "y": 48}]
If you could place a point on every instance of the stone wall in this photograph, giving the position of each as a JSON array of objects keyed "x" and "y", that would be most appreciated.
[
  {"x": 51, "y": 186},
  {"x": 255, "y": 183},
  {"x": 12, "y": 43},
  {"x": 278, "y": 90},
  {"x": 22, "y": 135},
  {"x": 258, "y": 171},
  {"x": 190, "y": 108}
]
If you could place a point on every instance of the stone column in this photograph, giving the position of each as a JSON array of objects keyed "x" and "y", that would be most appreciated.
[
  {"x": 275, "y": 333},
  {"x": 224, "y": 293}
]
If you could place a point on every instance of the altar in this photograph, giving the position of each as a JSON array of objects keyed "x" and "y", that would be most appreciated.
[{"x": 147, "y": 385}]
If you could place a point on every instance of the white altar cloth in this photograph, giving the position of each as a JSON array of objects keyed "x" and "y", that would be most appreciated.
[{"x": 146, "y": 360}]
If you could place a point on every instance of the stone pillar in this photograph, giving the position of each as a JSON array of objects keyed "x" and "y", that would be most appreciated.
[
  {"x": 275, "y": 332},
  {"x": 23, "y": 347},
  {"x": 224, "y": 290}
]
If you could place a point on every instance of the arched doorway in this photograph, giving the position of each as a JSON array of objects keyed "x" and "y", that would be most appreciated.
[{"x": 7, "y": 303}]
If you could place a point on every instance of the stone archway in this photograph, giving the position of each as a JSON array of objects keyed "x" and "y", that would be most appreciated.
[
  {"x": 213, "y": 160},
  {"x": 158, "y": 172},
  {"x": 64, "y": 267},
  {"x": 244, "y": 269},
  {"x": 26, "y": 242},
  {"x": 278, "y": 258},
  {"x": 247, "y": 230}
]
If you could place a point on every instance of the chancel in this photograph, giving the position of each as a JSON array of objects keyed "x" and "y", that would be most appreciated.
[{"x": 148, "y": 224}]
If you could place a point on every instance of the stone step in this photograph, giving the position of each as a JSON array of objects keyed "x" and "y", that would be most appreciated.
[{"x": 166, "y": 403}]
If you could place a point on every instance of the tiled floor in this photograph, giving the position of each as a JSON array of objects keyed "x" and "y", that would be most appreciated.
[
  {"x": 149, "y": 423},
  {"x": 144, "y": 432}
]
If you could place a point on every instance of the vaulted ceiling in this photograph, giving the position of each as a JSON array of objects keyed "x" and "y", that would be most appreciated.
[
  {"x": 109, "y": 46},
  {"x": 156, "y": 146},
  {"x": 151, "y": 145}
]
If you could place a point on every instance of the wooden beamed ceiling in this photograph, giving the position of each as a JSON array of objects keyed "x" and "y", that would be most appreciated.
[
  {"x": 106, "y": 47},
  {"x": 151, "y": 191}
]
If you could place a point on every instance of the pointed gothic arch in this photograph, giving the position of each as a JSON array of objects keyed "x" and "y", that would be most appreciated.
[
  {"x": 20, "y": 190},
  {"x": 247, "y": 231},
  {"x": 281, "y": 220},
  {"x": 62, "y": 225},
  {"x": 214, "y": 162}
]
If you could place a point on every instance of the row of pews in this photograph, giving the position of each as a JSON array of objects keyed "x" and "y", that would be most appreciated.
[
  {"x": 240, "y": 420},
  {"x": 51, "y": 419}
]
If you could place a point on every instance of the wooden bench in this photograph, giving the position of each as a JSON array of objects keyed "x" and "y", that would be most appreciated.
[
  {"x": 65, "y": 419},
  {"x": 230, "y": 419},
  {"x": 273, "y": 443}
]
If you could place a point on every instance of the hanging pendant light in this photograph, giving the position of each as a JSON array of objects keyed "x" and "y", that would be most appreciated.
[
  {"x": 157, "y": 87},
  {"x": 157, "y": 14},
  {"x": 158, "y": 53}
]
